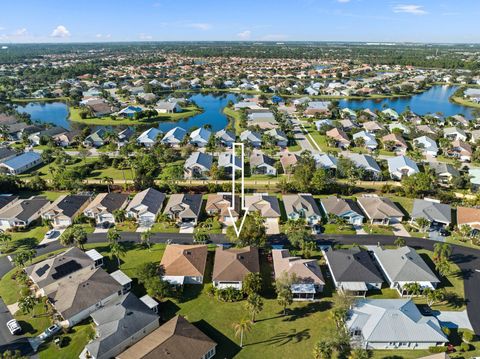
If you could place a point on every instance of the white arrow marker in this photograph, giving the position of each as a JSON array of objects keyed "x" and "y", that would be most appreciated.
[{"x": 242, "y": 191}]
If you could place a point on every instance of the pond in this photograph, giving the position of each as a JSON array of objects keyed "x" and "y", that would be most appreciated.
[
  {"x": 434, "y": 100},
  {"x": 212, "y": 105},
  {"x": 47, "y": 112}
]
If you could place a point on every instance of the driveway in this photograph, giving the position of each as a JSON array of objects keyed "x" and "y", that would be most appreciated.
[
  {"x": 7, "y": 340},
  {"x": 399, "y": 230},
  {"x": 359, "y": 229},
  {"x": 100, "y": 229},
  {"x": 58, "y": 233},
  {"x": 454, "y": 320},
  {"x": 186, "y": 228}
]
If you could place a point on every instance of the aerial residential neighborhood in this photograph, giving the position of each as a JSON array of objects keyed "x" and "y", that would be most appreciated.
[{"x": 185, "y": 180}]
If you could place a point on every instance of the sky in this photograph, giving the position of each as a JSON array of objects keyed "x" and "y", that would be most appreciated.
[{"x": 440, "y": 21}]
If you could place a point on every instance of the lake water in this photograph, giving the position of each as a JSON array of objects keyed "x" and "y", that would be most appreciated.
[
  {"x": 212, "y": 114},
  {"x": 434, "y": 100},
  {"x": 47, "y": 112}
]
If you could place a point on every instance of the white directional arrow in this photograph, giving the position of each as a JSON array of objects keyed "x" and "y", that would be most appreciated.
[{"x": 242, "y": 190}]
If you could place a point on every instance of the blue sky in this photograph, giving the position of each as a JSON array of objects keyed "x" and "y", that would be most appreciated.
[{"x": 254, "y": 20}]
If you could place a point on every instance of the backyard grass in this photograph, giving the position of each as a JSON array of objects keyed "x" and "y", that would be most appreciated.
[
  {"x": 331, "y": 228},
  {"x": 108, "y": 121},
  {"x": 295, "y": 147},
  {"x": 165, "y": 227},
  {"x": 74, "y": 341},
  {"x": 383, "y": 230}
]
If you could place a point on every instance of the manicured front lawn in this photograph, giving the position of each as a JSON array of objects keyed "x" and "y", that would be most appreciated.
[
  {"x": 373, "y": 229},
  {"x": 336, "y": 229},
  {"x": 165, "y": 227},
  {"x": 27, "y": 239}
]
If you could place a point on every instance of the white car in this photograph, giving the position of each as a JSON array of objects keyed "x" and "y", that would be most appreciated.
[
  {"x": 51, "y": 234},
  {"x": 14, "y": 327}
]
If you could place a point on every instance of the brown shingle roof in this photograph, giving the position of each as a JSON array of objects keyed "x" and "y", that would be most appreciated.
[
  {"x": 470, "y": 216},
  {"x": 235, "y": 263},
  {"x": 184, "y": 260},
  {"x": 176, "y": 339}
]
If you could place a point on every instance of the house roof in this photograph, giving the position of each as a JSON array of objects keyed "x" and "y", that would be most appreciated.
[
  {"x": 220, "y": 203},
  {"x": 394, "y": 320},
  {"x": 404, "y": 265},
  {"x": 68, "y": 205},
  {"x": 187, "y": 205},
  {"x": 268, "y": 206},
  {"x": 339, "y": 206},
  {"x": 305, "y": 270},
  {"x": 202, "y": 159},
  {"x": 258, "y": 159},
  {"x": 431, "y": 210},
  {"x": 20, "y": 161},
  {"x": 397, "y": 163},
  {"x": 6, "y": 152},
  {"x": 176, "y": 339},
  {"x": 176, "y": 134},
  {"x": 149, "y": 135},
  {"x": 81, "y": 290},
  {"x": 468, "y": 215},
  {"x": 365, "y": 161},
  {"x": 234, "y": 264},
  {"x": 251, "y": 136},
  {"x": 55, "y": 268},
  {"x": 227, "y": 159},
  {"x": 184, "y": 260},
  {"x": 6, "y": 200},
  {"x": 24, "y": 209},
  {"x": 301, "y": 203},
  {"x": 325, "y": 160},
  {"x": 118, "y": 322},
  {"x": 110, "y": 201},
  {"x": 379, "y": 207},
  {"x": 353, "y": 265},
  {"x": 150, "y": 200},
  {"x": 225, "y": 135},
  {"x": 200, "y": 133},
  {"x": 442, "y": 168}
]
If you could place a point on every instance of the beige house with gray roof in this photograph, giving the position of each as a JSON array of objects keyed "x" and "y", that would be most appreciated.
[{"x": 380, "y": 210}]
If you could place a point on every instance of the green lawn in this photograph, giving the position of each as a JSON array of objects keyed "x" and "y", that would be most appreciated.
[
  {"x": 75, "y": 340},
  {"x": 294, "y": 148},
  {"x": 27, "y": 239},
  {"x": 165, "y": 227},
  {"x": 373, "y": 229},
  {"x": 108, "y": 121},
  {"x": 335, "y": 229},
  {"x": 234, "y": 116}
]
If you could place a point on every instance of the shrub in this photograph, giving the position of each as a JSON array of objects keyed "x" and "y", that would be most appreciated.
[
  {"x": 468, "y": 337},
  {"x": 465, "y": 347},
  {"x": 229, "y": 294},
  {"x": 210, "y": 290},
  {"x": 440, "y": 349}
]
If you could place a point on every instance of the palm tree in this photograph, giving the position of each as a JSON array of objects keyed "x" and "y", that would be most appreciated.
[
  {"x": 441, "y": 251},
  {"x": 108, "y": 181},
  {"x": 241, "y": 328},
  {"x": 400, "y": 242},
  {"x": 254, "y": 305},
  {"x": 26, "y": 303},
  {"x": 443, "y": 267},
  {"x": 5, "y": 238},
  {"x": 113, "y": 235},
  {"x": 359, "y": 353},
  {"x": 145, "y": 238},
  {"x": 322, "y": 350},
  {"x": 412, "y": 288},
  {"x": 118, "y": 250},
  {"x": 433, "y": 296}
]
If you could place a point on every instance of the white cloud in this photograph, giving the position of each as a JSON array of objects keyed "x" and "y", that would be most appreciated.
[
  {"x": 244, "y": 35},
  {"x": 201, "y": 26},
  {"x": 410, "y": 9},
  {"x": 60, "y": 31},
  {"x": 145, "y": 37},
  {"x": 343, "y": 1},
  {"x": 20, "y": 32}
]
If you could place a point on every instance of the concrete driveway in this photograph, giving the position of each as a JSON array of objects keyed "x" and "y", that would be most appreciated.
[
  {"x": 58, "y": 233},
  {"x": 186, "y": 228},
  {"x": 454, "y": 320},
  {"x": 100, "y": 229},
  {"x": 399, "y": 230}
]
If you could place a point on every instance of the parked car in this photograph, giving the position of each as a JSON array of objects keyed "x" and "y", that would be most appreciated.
[
  {"x": 51, "y": 234},
  {"x": 50, "y": 332},
  {"x": 14, "y": 327}
]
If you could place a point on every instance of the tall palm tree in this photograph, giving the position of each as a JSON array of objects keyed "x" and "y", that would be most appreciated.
[
  {"x": 441, "y": 251},
  {"x": 108, "y": 181},
  {"x": 145, "y": 238},
  {"x": 113, "y": 235},
  {"x": 118, "y": 250},
  {"x": 322, "y": 350},
  {"x": 241, "y": 328}
]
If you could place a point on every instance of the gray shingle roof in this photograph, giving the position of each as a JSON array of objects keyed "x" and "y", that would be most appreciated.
[
  {"x": 433, "y": 211},
  {"x": 353, "y": 265}
]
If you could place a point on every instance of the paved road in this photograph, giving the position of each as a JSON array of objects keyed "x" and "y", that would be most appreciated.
[
  {"x": 7, "y": 340},
  {"x": 466, "y": 258}
]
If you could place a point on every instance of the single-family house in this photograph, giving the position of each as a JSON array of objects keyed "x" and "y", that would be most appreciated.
[
  {"x": 22, "y": 213},
  {"x": 302, "y": 206},
  {"x": 252, "y": 138},
  {"x": 279, "y": 137},
  {"x": 177, "y": 338},
  {"x": 403, "y": 266},
  {"x": 380, "y": 210},
  {"x": 62, "y": 212},
  {"x": 372, "y": 126},
  {"x": 167, "y": 107},
  {"x": 454, "y": 133},
  {"x": 118, "y": 325},
  {"x": 468, "y": 216},
  {"x": 267, "y": 206},
  {"x": 368, "y": 139},
  {"x": 198, "y": 165},
  {"x": 288, "y": 161},
  {"x": 174, "y": 137},
  {"x": 444, "y": 172},
  {"x": 145, "y": 206},
  {"x": 149, "y": 137},
  {"x": 392, "y": 324},
  {"x": 264, "y": 120},
  {"x": 96, "y": 139},
  {"x": 200, "y": 137},
  {"x": 395, "y": 142},
  {"x": 309, "y": 278},
  {"x": 226, "y": 138},
  {"x": 461, "y": 150},
  {"x": 426, "y": 145},
  {"x": 353, "y": 271},
  {"x": 129, "y": 111},
  {"x": 344, "y": 208},
  {"x": 21, "y": 163},
  {"x": 230, "y": 162},
  {"x": 219, "y": 204},
  {"x": 232, "y": 265},
  {"x": 400, "y": 166},
  {"x": 339, "y": 136},
  {"x": 432, "y": 210},
  {"x": 262, "y": 164},
  {"x": 104, "y": 205},
  {"x": 368, "y": 163},
  {"x": 325, "y": 161},
  {"x": 184, "y": 264},
  {"x": 184, "y": 208}
]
